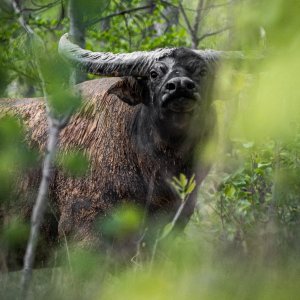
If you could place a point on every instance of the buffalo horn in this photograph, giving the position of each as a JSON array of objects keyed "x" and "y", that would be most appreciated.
[{"x": 109, "y": 64}]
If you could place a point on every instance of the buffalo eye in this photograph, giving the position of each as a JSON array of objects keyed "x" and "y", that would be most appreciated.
[
  {"x": 203, "y": 72},
  {"x": 153, "y": 74}
]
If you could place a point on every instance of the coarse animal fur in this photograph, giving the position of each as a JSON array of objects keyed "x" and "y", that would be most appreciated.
[{"x": 135, "y": 146}]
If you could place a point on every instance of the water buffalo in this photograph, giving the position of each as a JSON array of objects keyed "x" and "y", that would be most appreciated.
[{"x": 139, "y": 129}]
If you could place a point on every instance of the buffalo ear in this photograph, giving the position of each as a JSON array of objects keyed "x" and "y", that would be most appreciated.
[{"x": 131, "y": 90}]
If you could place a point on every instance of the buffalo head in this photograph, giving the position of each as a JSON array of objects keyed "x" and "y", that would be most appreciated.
[
  {"x": 174, "y": 84},
  {"x": 179, "y": 87}
]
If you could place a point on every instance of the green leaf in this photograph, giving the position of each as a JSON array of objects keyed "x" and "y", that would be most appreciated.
[
  {"x": 176, "y": 181},
  {"x": 191, "y": 187},
  {"x": 230, "y": 191},
  {"x": 183, "y": 180}
]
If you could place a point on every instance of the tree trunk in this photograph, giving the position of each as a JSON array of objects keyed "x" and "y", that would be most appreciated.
[{"x": 77, "y": 31}]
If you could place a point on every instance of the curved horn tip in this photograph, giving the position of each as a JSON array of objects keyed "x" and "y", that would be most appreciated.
[{"x": 62, "y": 42}]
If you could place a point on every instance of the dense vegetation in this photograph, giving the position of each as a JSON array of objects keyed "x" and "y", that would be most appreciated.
[{"x": 243, "y": 241}]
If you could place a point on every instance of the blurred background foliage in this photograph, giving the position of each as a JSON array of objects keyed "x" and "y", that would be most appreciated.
[{"x": 243, "y": 241}]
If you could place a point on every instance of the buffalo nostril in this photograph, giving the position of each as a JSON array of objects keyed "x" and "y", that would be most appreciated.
[
  {"x": 190, "y": 85},
  {"x": 170, "y": 86}
]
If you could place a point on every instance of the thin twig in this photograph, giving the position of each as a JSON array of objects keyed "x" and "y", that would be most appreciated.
[
  {"x": 195, "y": 10},
  {"x": 217, "y": 5},
  {"x": 61, "y": 15},
  {"x": 8, "y": 66},
  {"x": 121, "y": 13},
  {"x": 36, "y": 4},
  {"x": 145, "y": 214},
  {"x": 154, "y": 250},
  {"x": 38, "y": 210},
  {"x": 44, "y": 7},
  {"x": 55, "y": 125},
  {"x": 178, "y": 213},
  {"x": 21, "y": 19},
  {"x": 128, "y": 32},
  {"x": 205, "y": 35},
  {"x": 172, "y": 225},
  {"x": 190, "y": 29},
  {"x": 198, "y": 19}
]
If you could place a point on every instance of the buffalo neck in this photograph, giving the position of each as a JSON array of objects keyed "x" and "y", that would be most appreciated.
[{"x": 153, "y": 136}]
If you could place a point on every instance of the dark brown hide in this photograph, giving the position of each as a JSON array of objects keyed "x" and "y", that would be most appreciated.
[{"x": 119, "y": 172}]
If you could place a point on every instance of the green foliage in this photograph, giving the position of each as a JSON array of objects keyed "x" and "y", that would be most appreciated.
[
  {"x": 257, "y": 199},
  {"x": 64, "y": 102},
  {"x": 14, "y": 233},
  {"x": 125, "y": 220},
  {"x": 136, "y": 31},
  {"x": 183, "y": 186},
  {"x": 14, "y": 154},
  {"x": 126, "y": 32},
  {"x": 184, "y": 272},
  {"x": 4, "y": 81},
  {"x": 251, "y": 200},
  {"x": 84, "y": 264},
  {"x": 56, "y": 75},
  {"x": 74, "y": 163},
  {"x": 249, "y": 204}
]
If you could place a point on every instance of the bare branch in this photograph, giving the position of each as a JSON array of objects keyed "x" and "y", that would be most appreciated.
[
  {"x": 124, "y": 12},
  {"x": 205, "y": 35},
  {"x": 54, "y": 127},
  {"x": 196, "y": 10},
  {"x": 77, "y": 31},
  {"x": 190, "y": 29},
  {"x": 202, "y": 6},
  {"x": 61, "y": 14},
  {"x": 198, "y": 20},
  {"x": 21, "y": 19},
  {"x": 128, "y": 32},
  {"x": 198, "y": 16},
  {"x": 143, "y": 227},
  {"x": 42, "y": 7},
  {"x": 19, "y": 72},
  {"x": 39, "y": 210},
  {"x": 218, "y": 5},
  {"x": 163, "y": 235},
  {"x": 36, "y": 4}
]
